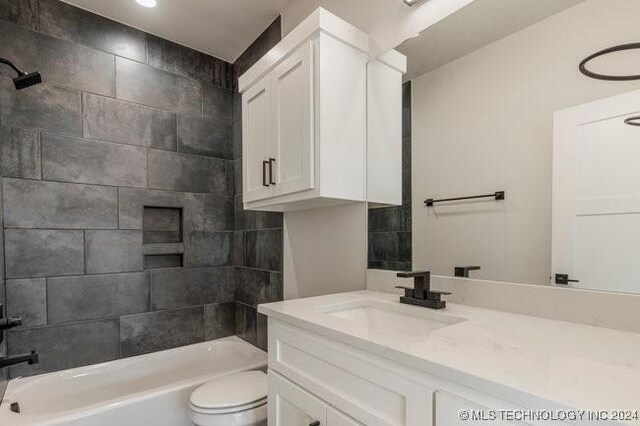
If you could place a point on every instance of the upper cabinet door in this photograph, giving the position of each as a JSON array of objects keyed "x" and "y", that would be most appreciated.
[
  {"x": 293, "y": 132},
  {"x": 257, "y": 141}
]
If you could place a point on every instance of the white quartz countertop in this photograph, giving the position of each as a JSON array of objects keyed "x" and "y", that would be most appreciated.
[{"x": 528, "y": 361}]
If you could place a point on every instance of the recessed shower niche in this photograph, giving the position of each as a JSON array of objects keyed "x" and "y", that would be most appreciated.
[{"x": 162, "y": 237}]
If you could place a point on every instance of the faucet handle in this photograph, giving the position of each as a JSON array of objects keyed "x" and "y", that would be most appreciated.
[
  {"x": 413, "y": 274},
  {"x": 408, "y": 291}
]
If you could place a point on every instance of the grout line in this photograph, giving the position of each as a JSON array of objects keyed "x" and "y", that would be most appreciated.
[
  {"x": 119, "y": 337},
  {"x": 218, "y": 194},
  {"x": 40, "y": 145},
  {"x": 150, "y": 301},
  {"x": 46, "y": 298},
  {"x": 120, "y": 316},
  {"x": 84, "y": 250},
  {"x": 118, "y": 207},
  {"x": 11, "y": 228},
  {"x": 147, "y": 168},
  {"x": 257, "y": 269},
  {"x": 38, "y": 17},
  {"x": 115, "y": 77},
  {"x": 146, "y": 47},
  {"x": 80, "y": 137}
]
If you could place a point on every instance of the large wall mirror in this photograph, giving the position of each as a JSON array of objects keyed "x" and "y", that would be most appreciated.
[{"x": 496, "y": 103}]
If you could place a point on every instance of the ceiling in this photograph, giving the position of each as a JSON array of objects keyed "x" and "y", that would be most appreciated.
[
  {"x": 476, "y": 25},
  {"x": 221, "y": 28}
]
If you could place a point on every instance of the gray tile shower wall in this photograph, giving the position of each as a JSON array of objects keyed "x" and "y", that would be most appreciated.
[
  {"x": 390, "y": 227},
  {"x": 258, "y": 236},
  {"x": 123, "y": 121}
]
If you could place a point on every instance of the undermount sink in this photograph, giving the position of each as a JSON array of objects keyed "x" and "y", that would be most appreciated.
[{"x": 387, "y": 317}]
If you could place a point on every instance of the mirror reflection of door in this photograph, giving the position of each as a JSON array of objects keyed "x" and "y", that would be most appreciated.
[
  {"x": 596, "y": 197},
  {"x": 483, "y": 113}
]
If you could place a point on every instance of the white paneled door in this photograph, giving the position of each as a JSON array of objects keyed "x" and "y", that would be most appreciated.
[
  {"x": 257, "y": 143},
  {"x": 596, "y": 195},
  {"x": 292, "y": 101}
]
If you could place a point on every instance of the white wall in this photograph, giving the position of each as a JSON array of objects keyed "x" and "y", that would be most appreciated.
[
  {"x": 388, "y": 22},
  {"x": 325, "y": 251},
  {"x": 484, "y": 123}
]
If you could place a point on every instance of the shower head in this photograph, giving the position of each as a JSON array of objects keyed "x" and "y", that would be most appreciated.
[
  {"x": 27, "y": 80},
  {"x": 24, "y": 79}
]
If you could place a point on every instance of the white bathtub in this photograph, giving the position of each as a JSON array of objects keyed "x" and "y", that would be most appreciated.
[{"x": 151, "y": 389}]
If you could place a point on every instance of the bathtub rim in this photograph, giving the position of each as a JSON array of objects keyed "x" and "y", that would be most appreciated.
[{"x": 257, "y": 362}]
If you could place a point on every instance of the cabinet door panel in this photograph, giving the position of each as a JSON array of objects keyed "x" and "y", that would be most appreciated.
[
  {"x": 362, "y": 386},
  {"x": 290, "y": 405},
  {"x": 336, "y": 418},
  {"x": 256, "y": 141},
  {"x": 292, "y": 99}
]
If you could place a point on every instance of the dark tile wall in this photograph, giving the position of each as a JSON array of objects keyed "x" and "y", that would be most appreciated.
[
  {"x": 258, "y": 242},
  {"x": 390, "y": 227},
  {"x": 124, "y": 121}
]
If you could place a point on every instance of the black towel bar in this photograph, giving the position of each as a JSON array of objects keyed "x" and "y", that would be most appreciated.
[{"x": 498, "y": 195}]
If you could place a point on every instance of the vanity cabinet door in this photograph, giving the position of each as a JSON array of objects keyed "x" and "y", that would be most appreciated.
[
  {"x": 451, "y": 410},
  {"x": 290, "y": 405},
  {"x": 293, "y": 135},
  {"x": 256, "y": 141},
  {"x": 366, "y": 388},
  {"x": 336, "y": 418}
]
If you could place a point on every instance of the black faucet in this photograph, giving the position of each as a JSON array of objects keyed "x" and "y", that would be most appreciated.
[
  {"x": 5, "y": 324},
  {"x": 30, "y": 359},
  {"x": 421, "y": 294}
]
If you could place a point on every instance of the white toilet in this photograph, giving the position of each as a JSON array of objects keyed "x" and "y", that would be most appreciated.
[{"x": 235, "y": 400}]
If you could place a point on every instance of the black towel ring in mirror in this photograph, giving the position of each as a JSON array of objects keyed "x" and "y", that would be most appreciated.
[
  {"x": 585, "y": 71},
  {"x": 633, "y": 121}
]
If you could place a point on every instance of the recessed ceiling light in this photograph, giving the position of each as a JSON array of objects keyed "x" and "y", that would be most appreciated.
[{"x": 147, "y": 3}]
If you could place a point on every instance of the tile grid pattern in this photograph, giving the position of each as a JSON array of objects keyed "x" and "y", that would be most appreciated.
[
  {"x": 124, "y": 120},
  {"x": 258, "y": 243},
  {"x": 390, "y": 227}
]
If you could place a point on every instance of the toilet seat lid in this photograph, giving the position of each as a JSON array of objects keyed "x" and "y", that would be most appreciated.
[{"x": 233, "y": 390}]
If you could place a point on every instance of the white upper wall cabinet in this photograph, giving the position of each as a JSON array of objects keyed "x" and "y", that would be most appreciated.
[{"x": 304, "y": 112}]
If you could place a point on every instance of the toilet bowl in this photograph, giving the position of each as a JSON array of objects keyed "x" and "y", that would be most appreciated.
[{"x": 235, "y": 400}]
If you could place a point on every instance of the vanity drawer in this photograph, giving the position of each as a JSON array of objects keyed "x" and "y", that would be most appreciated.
[{"x": 370, "y": 391}]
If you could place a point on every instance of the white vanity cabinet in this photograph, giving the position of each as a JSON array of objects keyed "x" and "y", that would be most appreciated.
[{"x": 315, "y": 379}]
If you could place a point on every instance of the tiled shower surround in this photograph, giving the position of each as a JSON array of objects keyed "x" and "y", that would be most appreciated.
[
  {"x": 390, "y": 227},
  {"x": 125, "y": 120}
]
